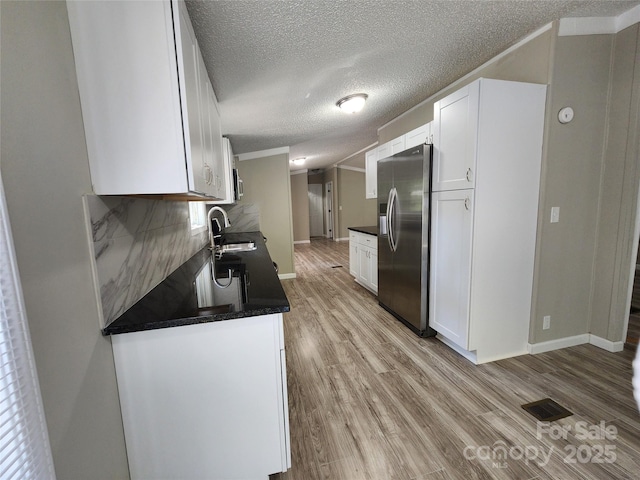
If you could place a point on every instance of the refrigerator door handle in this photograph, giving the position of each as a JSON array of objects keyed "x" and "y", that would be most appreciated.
[
  {"x": 388, "y": 219},
  {"x": 391, "y": 206}
]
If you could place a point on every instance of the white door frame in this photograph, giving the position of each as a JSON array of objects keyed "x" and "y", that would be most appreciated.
[
  {"x": 328, "y": 210},
  {"x": 632, "y": 269}
]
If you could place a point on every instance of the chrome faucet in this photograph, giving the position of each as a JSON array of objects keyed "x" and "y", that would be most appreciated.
[{"x": 227, "y": 223}]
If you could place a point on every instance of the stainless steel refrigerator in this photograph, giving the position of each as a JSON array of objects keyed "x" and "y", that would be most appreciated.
[{"x": 404, "y": 194}]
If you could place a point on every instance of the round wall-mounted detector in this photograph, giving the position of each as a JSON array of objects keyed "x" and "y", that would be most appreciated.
[{"x": 565, "y": 115}]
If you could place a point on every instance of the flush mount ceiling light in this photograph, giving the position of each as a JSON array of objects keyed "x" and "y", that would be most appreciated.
[
  {"x": 352, "y": 103},
  {"x": 298, "y": 161}
]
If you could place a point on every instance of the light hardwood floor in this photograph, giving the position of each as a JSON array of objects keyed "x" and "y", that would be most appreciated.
[{"x": 370, "y": 400}]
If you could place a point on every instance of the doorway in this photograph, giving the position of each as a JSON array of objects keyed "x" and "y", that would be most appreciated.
[
  {"x": 315, "y": 210},
  {"x": 633, "y": 328},
  {"x": 328, "y": 189}
]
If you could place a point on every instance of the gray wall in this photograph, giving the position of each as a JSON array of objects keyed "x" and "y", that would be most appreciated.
[
  {"x": 300, "y": 206},
  {"x": 45, "y": 172},
  {"x": 354, "y": 210},
  {"x": 351, "y": 208},
  {"x": 267, "y": 185},
  {"x": 571, "y": 181}
]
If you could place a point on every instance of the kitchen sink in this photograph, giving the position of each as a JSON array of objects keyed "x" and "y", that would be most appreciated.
[{"x": 237, "y": 247}]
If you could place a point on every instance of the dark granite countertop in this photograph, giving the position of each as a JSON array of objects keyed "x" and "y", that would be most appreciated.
[
  {"x": 189, "y": 295},
  {"x": 367, "y": 230}
]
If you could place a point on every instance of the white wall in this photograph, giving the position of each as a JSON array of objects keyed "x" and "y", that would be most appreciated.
[{"x": 45, "y": 172}]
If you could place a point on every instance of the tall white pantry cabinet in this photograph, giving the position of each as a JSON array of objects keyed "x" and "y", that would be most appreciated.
[{"x": 486, "y": 179}]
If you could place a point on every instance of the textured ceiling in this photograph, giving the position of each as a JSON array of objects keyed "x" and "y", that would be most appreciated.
[{"x": 278, "y": 67}]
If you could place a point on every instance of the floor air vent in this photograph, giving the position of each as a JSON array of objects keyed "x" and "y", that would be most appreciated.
[
  {"x": 337, "y": 266},
  {"x": 546, "y": 410}
]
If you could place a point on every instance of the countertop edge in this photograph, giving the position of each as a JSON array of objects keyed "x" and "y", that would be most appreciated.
[
  {"x": 219, "y": 317},
  {"x": 366, "y": 230}
]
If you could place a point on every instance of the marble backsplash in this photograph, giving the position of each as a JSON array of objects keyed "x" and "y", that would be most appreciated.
[
  {"x": 244, "y": 217},
  {"x": 138, "y": 242}
]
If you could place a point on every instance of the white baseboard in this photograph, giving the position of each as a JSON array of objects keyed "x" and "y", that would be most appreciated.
[
  {"x": 298, "y": 242},
  {"x": 566, "y": 342},
  {"x": 344, "y": 239},
  {"x": 471, "y": 356},
  {"x": 286, "y": 276},
  {"x": 605, "y": 344},
  {"x": 557, "y": 344}
]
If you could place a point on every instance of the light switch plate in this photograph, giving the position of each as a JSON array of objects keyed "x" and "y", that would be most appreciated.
[{"x": 555, "y": 214}]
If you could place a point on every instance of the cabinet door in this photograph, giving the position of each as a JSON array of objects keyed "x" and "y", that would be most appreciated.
[
  {"x": 455, "y": 133},
  {"x": 217, "y": 151},
  {"x": 397, "y": 145},
  {"x": 353, "y": 254},
  {"x": 371, "y": 175},
  {"x": 209, "y": 114},
  {"x": 126, "y": 65},
  {"x": 384, "y": 151},
  {"x": 183, "y": 412},
  {"x": 373, "y": 265},
  {"x": 192, "y": 102},
  {"x": 227, "y": 172},
  {"x": 450, "y": 275},
  {"x": 364, "y": 265},
  {"x": 418, "y": 136}
]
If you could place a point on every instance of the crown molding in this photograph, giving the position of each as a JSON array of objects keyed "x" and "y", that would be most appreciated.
[
  {"x": 598, "y": 25},
  {"x": 262, "y": 153}
]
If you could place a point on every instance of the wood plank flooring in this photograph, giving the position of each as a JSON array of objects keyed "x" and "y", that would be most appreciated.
[{"x": 370, "y": 400}]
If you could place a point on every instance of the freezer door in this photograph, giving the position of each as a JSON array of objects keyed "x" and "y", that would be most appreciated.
[{"x": 385, "y": 255}]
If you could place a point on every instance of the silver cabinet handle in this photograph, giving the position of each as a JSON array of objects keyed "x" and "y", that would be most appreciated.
[
  {"x": 469, "y": 175},
  {"x": 467, "y": 203}
]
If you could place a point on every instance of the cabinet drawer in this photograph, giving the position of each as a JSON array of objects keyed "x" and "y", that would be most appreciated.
[{"x": 370, "y": 241}]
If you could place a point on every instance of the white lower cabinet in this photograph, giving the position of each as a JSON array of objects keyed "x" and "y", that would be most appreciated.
[
  {"x": 206, "y": 400},
  {"x": 363, "y": 259},
  {"x": 354, "y": 261},
  {"x": 452, "y": 223}
]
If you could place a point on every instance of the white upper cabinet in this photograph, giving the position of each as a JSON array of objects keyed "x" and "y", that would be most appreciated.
[
  {"x": 455, "y": 133},
  {"x": 149, "y": 127},
  {"x": 384, "y": 150},
  {"x": 418, "y": 136},
  {"x": 371, "y": 175},
  {"x": 415, "y": 137},
  {"x": 227, "y": 194},
  {"x": 397, "y": 145}
]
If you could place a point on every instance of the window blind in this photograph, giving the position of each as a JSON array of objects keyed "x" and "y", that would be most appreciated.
[{"x": 25, "y": 452}]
